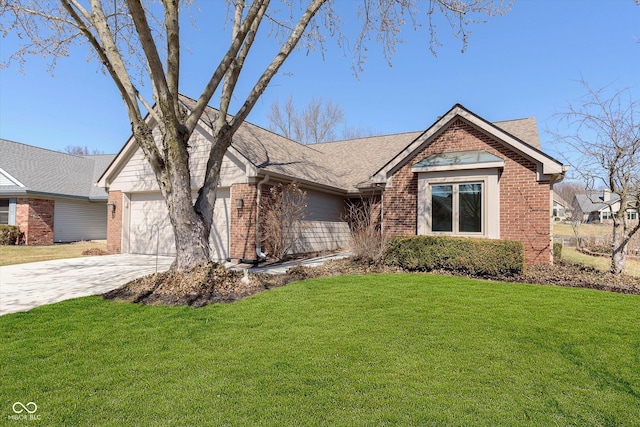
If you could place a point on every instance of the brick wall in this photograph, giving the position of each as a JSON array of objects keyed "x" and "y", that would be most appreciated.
[
  {"x": 35, "y": 219},
  {"x": 242, "y": 228},
  {"x": 114, "y": 223},
  {"x": 524, "y": 202}
]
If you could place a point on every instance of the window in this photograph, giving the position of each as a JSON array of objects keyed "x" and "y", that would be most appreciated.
[
  {"x": 606, "y": 214},
  {"x": 558, "y": 211},
  {"x": 459, "y": 202},
  {"x": 632, "y": 215},
  {"x": 4, "y": 211},
  {"x": 456, "y": 208}
]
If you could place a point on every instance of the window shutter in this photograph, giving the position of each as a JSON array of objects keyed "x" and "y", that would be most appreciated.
[{"x": 12, "y": 211}]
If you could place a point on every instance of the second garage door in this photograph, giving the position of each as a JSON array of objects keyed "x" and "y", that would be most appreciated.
[{"x": 150, "y": 231}]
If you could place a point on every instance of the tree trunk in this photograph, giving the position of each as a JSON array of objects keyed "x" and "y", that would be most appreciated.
[
  {"x": 619, "y": 247},
  {"x": 191, "y": 230},
  {"x": 191, "y": 235}
]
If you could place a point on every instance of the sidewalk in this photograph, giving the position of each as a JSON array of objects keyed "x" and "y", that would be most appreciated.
[
  {"x": 281, "y": 268},
  {"x": 25, "y": 286}
]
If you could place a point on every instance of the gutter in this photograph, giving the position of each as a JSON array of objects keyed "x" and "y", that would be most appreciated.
[{"x": 261, "y": 255}]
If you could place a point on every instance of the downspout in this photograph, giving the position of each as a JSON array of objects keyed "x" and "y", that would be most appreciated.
[
  {"x": 382, "y": 212},
  {"x": 554, "y": 179},
  {"x": 261, "y": 255}
]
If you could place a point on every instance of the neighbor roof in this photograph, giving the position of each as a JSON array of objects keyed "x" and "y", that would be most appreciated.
[
  {"x": 594, "y": 201},
  {"x": 41, "y": 171},
  {"x": 558, "y": 199}
]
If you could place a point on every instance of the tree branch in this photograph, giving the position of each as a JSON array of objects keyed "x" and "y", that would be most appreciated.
[
  {"x": 223, "y": 66},
  {"x": 275, "y": 65}
]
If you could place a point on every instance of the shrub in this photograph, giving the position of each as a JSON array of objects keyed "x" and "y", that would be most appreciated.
[
  {"x": 557, "y": 251},
  {"x": 368, "y": 243},
  {"x": 598, "y": 244},
  {"x": 478, "y": 257},
  {"x": 10, "y": 235},
  {"x": 282, "y": 218}
]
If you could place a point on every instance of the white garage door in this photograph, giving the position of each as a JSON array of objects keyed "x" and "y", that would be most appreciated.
[
  {"x": 151, "y": 231},
  {"x": 75, "y": 220}
]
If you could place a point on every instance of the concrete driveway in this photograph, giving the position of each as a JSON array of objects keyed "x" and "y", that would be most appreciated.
[{"x": 25, "y": 286}]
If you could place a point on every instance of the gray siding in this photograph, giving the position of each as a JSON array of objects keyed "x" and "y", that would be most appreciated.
[{"x": 323, "y": 228}]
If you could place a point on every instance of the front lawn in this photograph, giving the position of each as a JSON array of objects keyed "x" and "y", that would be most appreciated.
[
  {"x": 404, "y": 349},
  {"x": 22, "y": 253},
  {"x": 569, "y": 254}
]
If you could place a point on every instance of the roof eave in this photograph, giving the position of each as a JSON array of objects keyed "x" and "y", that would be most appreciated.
[
  {"x": 306, "y": 183},
  {"x": 443, "y": 168}
]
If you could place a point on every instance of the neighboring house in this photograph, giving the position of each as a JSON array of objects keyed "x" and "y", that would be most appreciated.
[
  {"x": 50, "y": 195},
  {"x": 462, "y": 176},
  {"x": 561, "y": 209},
  {"x": 599, "y": 206}
]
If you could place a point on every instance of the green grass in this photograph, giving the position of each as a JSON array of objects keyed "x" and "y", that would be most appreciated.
[
  {"x": 350, "y": 351},
  {"x": 21, "y": 254},
  {"x": 586, "y": 230},
  {"x": 631, "y": 267}
]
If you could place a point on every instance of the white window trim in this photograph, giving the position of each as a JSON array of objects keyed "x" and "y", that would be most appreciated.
[{"x": 490, "y": 199}]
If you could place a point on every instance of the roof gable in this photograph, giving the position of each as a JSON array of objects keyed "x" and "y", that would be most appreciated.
[
  {"x": 547, "y": 164},
  {"x": 6, "y": 180}
]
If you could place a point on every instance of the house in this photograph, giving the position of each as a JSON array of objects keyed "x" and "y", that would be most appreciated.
[
  {"x": 50, "y": 195},
  {"x": 599, "y": 206},
  {"x": 561, "y": 209},
  {"x": 462, "y": 176}
]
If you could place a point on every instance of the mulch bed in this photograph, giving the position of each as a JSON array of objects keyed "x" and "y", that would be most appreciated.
[
  {"x": 578, "y": 276},
  {"x": 201, "y": 286},
  {"x": 214, "y": 283},
  {"x": 94, "y": 252}
]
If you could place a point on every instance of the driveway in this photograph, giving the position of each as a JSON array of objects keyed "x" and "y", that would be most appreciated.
[{"x": 25, "y": 286}]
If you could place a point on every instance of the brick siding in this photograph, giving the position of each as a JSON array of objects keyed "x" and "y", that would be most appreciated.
[
  {"x": 242, "y": 228},
  {"x": 35, "y": 219},
  {"x": 524, "y": 202},
  {"x": 114, "y": 223}
]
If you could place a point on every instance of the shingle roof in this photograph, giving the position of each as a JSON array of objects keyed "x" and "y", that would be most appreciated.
[
  {"x": 357, "y": 159},
  {"x": 524, "y": 129},
  {"x": 558, "y": 199},
  {"x": 594, "y": 201},
  {"x": 343, "y": 164},
  {"x": 50, "y": 172}
]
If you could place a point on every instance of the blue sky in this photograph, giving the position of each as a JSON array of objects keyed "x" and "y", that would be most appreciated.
[{"x": 525, "y": 63}]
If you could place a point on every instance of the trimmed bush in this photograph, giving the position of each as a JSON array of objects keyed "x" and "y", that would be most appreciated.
[
  {"x": 557, "y": 251},
  {"x": 9, "y": 235},
  {"x": 478, "y": 257}
]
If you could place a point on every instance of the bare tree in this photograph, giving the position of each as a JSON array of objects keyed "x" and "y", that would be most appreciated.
[
  {"x": 285, "y": 120},
  {"x": 138, "y": 40},
  {"x": 355, "y": 132},
  {"x": 283, "y": 216},
  {"x": 79, "y": 150},
  {"x": 319, "y": 121},
  {"x": 606, "y": 133},
  {"x": 568, "y": 189}
]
